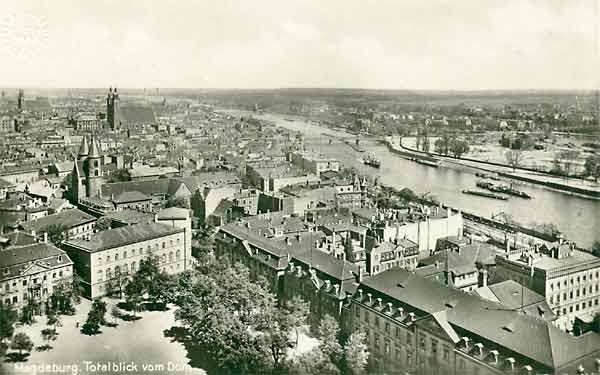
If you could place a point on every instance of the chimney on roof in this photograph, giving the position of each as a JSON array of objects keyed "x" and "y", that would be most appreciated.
[
  {"x": 33, "y": 233},
  {"x": 327, "y": 284},
  {"x": 291, "y": 264},
  {"x": 479, "y": 347},
  {"x": 495, "y": 354},
  {"x": 156, "y": 218},
  {"x": 379, "y": 302},
  {"x": 511, "y": 362},
  {"x": 401, "y": 312},
  {"x": 45, "y": 237},
  {"x": 336, "y": 288},
  {"x": 360, "y": 295},
  {"x": 466, "y": 340},
  {"x": 390, "y": 307},
  {"x": 412, "y": 316},
  {"x": 370, "y": 298}
]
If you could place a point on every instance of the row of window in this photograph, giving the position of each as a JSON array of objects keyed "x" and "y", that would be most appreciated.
[
  {"x": 139, "y": 252},
  {"x": 7, "y": 286},
  {"x": 574, "y": 294},
  {"x": 577, "y": 307},
  {"x": 125, "y": 268},
  {"x": 573, "y": 279}
]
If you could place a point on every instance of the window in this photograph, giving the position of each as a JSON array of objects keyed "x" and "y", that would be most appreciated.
[
  {"x": 163, "y": 245},
  {"x": 376, "y": 342},
  {"x": 356, "y": 309},
  {"x": 422, "y": 343},
  {"x": 367, "y": 316},
  {"x": 171, "y": 257},
  {"x": 124, "y": 254},
  {"x": 140, "y": 251},
  {"x": 116, "y": 257},
  {"x": 178, "y": 254},
  {"x": 387, "y": 327},
  {"x": 408, "y": 338},
  {"x": 397, "y": 331},
  {"x": 386, "y": 347},
  {"x": 461, "y": 364},
  {"x": 446, "y": 354},
  {"x": 376, "y": 321},
  {"x": 24, "y": 282},
  {"x": 107, "y": 259},
  {"x": 148, "y": 250},
  {"x": 60, "y": 274},
  {"x": 434, "y": 344}
]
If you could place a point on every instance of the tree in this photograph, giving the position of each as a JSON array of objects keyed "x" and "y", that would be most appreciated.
[
  {"x": 592, "y": 166},
  {"x": 297, "y": 311},
  {"x": 21, "y": 342},
  {"x": 52, "y": 319},
  {"x": 103, "y": 223},
  {"x": 442, "y": 144},
  {"x": 356, "y": 354},
  {"x": 513, "y": 158},
  {"x": 29, "y": 310},
  {"x": 596, "y": 248},
  {"x": 95, "y": 317},
  {"x": 568, "y": 158},
  {"x": 48, "y": 334},
  {"x": 8, "y": 318},
  {"x": 115, "y": 312},
  {"x": 458, "y": 147},
  {"x": 56, "y": 233},
  {"x": 329, "y": 332},
  {"x": 313, "y": 362},
  {"x": 133, "y": 294}
]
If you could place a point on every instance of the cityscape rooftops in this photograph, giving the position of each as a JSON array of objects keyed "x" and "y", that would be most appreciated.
[{"x": 42, "y": 254}]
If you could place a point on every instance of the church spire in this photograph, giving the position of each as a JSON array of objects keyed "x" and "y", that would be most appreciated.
[
  {"x": 94, "y": 151},
  {"x": 83, "y": 149}
]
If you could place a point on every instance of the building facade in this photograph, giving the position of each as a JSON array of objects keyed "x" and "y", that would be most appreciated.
[
  {"x": 32, "y": 272},
  {"x": 107, "y": 259}
]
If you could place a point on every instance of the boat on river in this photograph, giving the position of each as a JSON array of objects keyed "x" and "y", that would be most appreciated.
[
  {"x": 488, "y": 176},
  {"x": 429, "y": 163},
  {"x": 485, "y": 194},
  {"x": 502, "y": 189},
  {"x": 370, "y": 160}
]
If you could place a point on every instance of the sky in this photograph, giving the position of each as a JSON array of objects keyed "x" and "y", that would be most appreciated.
[{"x": 375, "y": 44}]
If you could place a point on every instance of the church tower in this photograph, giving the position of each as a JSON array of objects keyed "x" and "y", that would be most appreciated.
[
  {"x": 109, "y": 110},
  {"x": 113, "y": 114},
  {"x": 83, "y": 149},
  {"x": 93, "y": 169}
]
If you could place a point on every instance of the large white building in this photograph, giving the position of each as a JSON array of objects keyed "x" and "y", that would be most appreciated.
[{"x": 106, "y": 259}]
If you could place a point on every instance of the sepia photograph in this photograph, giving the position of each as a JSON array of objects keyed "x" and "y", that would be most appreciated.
[{"x": 300, "y": 187}]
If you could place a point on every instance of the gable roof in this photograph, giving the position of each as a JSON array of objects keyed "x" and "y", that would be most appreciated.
[
  {"x": 130, "y": 196},
  {"x": 126, "y": 235},
  {"x": 68, "y": 218}
]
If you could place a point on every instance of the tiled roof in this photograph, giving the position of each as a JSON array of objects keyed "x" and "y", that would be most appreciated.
[
  {"x": 174, "y": 213},
  {"x": 533, "y": 338},
  {"x": 130, "y": 196},
  {"x": 131, "y": 216},
  {"x": 19, "y": 238},
  {"x": 333, "y": 267},
  {"x": 126, "y": 235},
  {"x": 68, "y": 218},
  {"x": 42, "y": 254}
]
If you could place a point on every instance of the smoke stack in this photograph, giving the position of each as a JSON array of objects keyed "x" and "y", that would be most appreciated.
[{"x": 45, "y": 237}]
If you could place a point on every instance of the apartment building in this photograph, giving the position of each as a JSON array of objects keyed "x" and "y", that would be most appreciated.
[
  {"x": 106, "y": 259},
  {"x": 418, "y": 326},
  {"x": 32, "y": 272},
  {"x": 569, "y": 278}
]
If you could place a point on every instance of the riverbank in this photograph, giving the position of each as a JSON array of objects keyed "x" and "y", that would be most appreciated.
[{"x": 574, "y": 187}]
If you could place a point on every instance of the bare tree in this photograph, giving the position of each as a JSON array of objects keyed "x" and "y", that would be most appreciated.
[
  {"x": 568, "y": 157},
  {"x": 514, "y": 158}
]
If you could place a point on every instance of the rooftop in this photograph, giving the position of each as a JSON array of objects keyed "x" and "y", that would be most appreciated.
[
  {"x": 126, "y": 235},
  {"x": 68, "y": 218}
]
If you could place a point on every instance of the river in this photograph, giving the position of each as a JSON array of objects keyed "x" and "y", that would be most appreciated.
[{"x": 578, "y": 218}]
